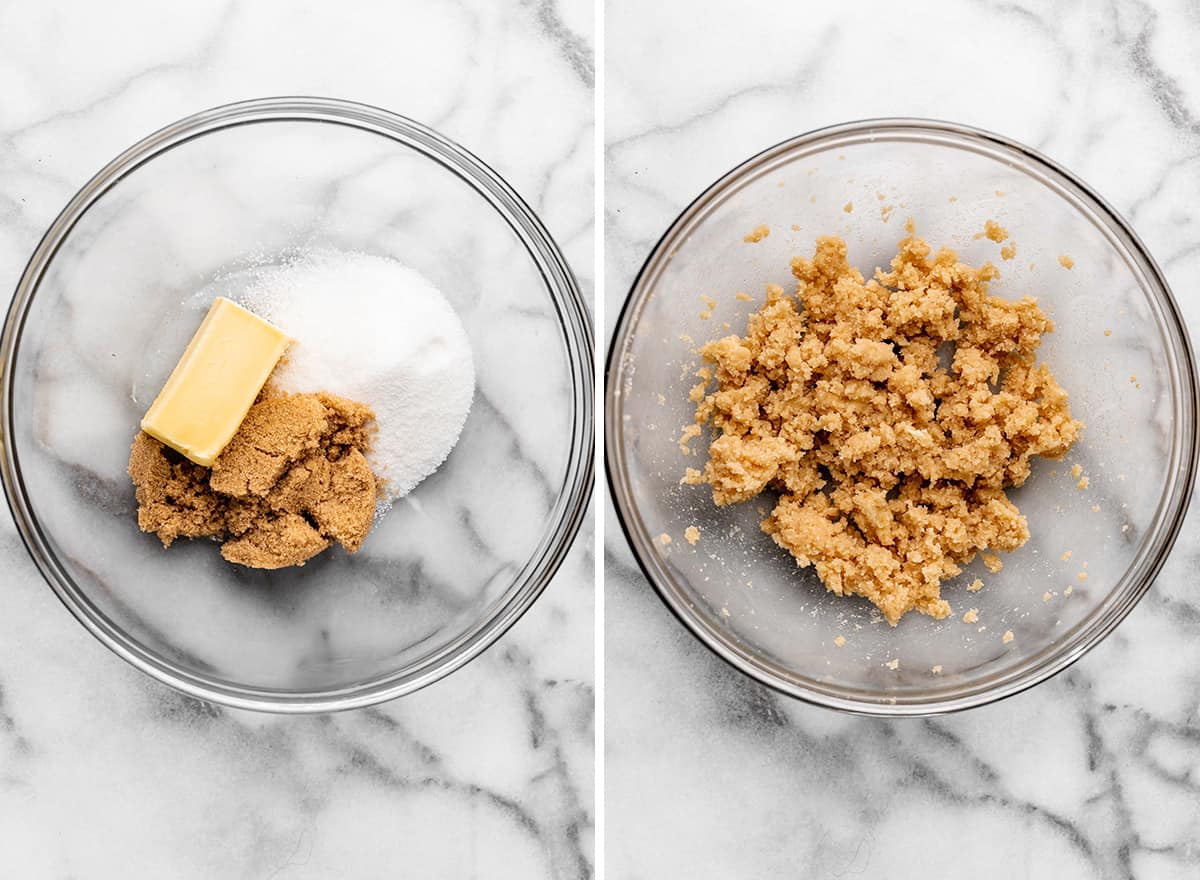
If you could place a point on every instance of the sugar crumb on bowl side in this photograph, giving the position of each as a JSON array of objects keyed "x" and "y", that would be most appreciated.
[
  {"x": 691, "y": 534},
  {"x": 993, "y": 231},
  {"x": 686, "y": 435},
  {"x": 757, "y": 234}
]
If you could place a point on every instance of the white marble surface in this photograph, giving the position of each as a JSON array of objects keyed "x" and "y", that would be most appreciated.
[
  {"x": 1095, "y": 774},
  {"x": 104, "y": 773}
]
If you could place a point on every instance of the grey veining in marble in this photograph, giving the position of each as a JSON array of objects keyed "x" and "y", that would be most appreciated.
[
  {"x": 1095, "y": 774},
  {"x": 104, "y": 773}
]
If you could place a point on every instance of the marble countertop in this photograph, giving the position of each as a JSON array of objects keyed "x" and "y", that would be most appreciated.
[
  {"x": 1094, "y": 774},
  {"x": 105, "y": 773}
]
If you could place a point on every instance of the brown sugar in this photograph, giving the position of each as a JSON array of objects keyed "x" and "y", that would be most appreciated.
[
  {"x": 277, "y": 542},
  {"x": 993, "y": 231},
  {"x": 890, "y": 415},
  {"x": 757, "y": 234},
  {"x": 293, "y": 480}
]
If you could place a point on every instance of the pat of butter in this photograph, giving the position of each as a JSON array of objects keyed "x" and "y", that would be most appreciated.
[{"x": 212, "y": 387}]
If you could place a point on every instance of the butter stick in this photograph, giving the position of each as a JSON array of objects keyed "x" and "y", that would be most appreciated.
[{"x": 212, "y": 387}]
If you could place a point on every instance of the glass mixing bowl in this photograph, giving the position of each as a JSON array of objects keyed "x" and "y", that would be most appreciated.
[
  {"x": 102, "y": 312},
  {"x": 1135, "y": 389}
]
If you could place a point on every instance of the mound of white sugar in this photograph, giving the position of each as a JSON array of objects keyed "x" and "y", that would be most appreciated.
[{"x": 373, "y": 330}]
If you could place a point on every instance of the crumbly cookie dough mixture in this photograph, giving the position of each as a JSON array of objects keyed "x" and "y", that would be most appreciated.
[
  {"x": 293, "y": 480},
  {"x": 889, "y": 414}
]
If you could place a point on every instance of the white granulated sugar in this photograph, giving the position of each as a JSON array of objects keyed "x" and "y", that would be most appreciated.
[{"x": 371, "y": 329}]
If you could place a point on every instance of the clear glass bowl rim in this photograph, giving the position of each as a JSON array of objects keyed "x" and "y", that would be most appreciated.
[
  {"x": 1186, "y": 402},
  {"x": 575, "y": 324}
]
